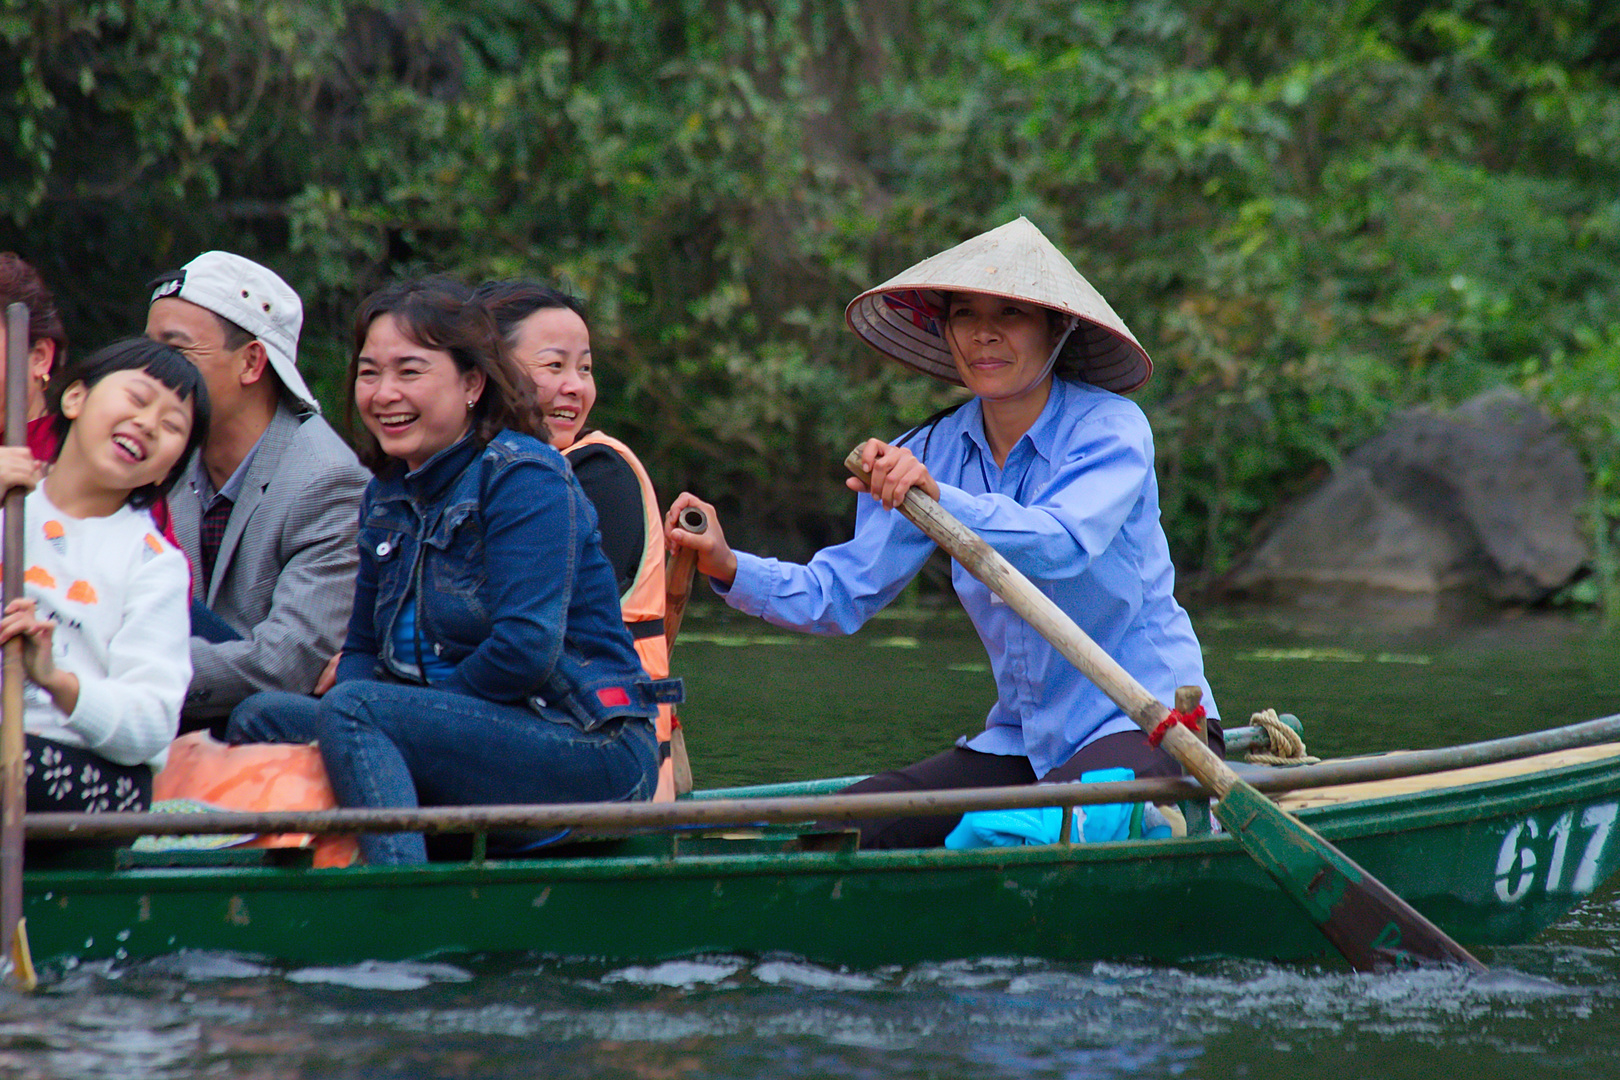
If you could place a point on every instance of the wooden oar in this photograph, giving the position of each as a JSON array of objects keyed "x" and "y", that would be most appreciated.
[
  {"x": 678, "y": 579},
  {"x": 1374, "y": 929},
  {"x": 13, "y": 779},
  {"x": 677, "y": 587}
]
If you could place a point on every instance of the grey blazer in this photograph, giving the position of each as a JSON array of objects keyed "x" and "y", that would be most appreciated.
[{"x": 284, "y": 575}]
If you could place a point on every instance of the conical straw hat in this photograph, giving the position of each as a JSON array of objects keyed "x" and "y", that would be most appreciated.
[{"x": 902, "y": 318}]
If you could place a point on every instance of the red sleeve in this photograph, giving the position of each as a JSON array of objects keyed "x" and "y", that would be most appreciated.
[
  {"x": 42, "y": 437},
  {"x": 165, "y": 524}
]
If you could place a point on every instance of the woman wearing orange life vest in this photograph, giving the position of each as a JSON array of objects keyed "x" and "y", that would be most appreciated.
[{"x": 548, "y": 335}]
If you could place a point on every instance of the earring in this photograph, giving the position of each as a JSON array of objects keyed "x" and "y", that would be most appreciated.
[{"x": 470, "y": 404}]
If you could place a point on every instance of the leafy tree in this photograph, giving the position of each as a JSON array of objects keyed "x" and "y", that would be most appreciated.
[{"x": 1311, "y": 215}]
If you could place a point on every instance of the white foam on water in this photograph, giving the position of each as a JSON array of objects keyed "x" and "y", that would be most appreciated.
[
  {"x": 199, "y": 966},
  {"x": 781, "y": 972},
  {"x": 382, "y": 975},
  {"x": 1107, "y": 1003},
  {"x": 677, "y": 973},
  {"x": 964, "y": 974}
]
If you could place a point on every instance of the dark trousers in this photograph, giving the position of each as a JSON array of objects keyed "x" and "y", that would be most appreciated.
[
  {"x": 214, "y": 630},
  {"x": 210, "y": 627},
  {"x": 962, "y": 768},
  {"x": 76, "y": 780},
  {"x": 71, "y": 778}
]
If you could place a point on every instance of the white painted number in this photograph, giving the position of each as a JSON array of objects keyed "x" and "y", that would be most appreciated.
[
  {"x": 1555, "y": 868},
  {"x": 1600, "y": 819},
  {"x": 1516, "y": 862},
  {"x": 1512, "y": 853}
]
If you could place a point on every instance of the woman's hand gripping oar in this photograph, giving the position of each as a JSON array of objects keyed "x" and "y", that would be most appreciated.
[
  {"x": 13, "y": 743},
  {"x": 1374, "y": 929}
]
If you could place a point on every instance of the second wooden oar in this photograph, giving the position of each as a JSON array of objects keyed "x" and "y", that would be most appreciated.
[
  {"x": 677, "y": 587},
  {"x": 1373, "y": 928},
  {"x": 678, "y": 578},
  {"x": 13, "y": 742}
]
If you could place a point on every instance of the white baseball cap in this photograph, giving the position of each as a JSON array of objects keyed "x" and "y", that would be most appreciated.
[{"x": 253, "y": 297}]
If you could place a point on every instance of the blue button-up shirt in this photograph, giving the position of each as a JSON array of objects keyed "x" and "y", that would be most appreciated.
[
  {"x": 203, "y": 484},
  {"x": 1076, "y": 508}
]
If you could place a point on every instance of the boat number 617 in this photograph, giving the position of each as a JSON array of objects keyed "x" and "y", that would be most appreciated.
[{"x": 1517, "y": 867}]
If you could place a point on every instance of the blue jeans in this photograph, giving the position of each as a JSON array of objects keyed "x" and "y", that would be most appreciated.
[
  {"x": 392, "y": 745},
  {"x": 210, "y": 627}
]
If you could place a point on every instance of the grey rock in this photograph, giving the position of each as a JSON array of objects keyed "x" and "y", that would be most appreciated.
[{"x": 1488, "y": 498}]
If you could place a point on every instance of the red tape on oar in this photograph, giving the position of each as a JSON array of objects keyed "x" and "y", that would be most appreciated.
[{"x": 1192, "y": 720}]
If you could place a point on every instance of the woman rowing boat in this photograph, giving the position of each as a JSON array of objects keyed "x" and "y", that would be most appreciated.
[{"x": 1051, "y": 465}]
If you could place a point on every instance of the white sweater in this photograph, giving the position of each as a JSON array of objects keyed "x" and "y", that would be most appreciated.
[{"x": 117, "y": 593}]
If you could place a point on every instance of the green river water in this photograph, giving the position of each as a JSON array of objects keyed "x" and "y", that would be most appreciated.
[{"x": 767, "y": 705}]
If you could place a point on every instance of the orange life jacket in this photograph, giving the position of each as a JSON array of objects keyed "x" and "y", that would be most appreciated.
[{"x": 643, "y": 602}]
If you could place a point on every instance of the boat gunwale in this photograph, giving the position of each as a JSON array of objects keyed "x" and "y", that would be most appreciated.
[
  {"x": 721, "y": 812},
  {"x": 1362, "y": 820}
]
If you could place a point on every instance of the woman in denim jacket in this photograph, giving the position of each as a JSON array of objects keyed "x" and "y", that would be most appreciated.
[{"x": 486, "y": 659}]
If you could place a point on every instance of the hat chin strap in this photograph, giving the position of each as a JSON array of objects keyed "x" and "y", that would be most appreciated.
[{"x": 1051, "y": 362}]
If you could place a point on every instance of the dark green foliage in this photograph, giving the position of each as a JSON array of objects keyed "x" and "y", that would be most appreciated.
[{"x": 1311, "y": 215}]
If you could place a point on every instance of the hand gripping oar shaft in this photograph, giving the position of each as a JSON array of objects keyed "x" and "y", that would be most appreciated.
[{"x": 1373, "y": 928}]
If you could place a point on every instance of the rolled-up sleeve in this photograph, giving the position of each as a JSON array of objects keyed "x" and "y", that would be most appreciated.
[{"x": 842, "y": 586}]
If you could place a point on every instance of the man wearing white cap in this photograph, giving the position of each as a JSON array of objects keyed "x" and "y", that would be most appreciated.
[{"x": 268, "y": 516}]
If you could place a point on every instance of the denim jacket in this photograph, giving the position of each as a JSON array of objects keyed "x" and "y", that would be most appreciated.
[{"x": 499, "y": 547}]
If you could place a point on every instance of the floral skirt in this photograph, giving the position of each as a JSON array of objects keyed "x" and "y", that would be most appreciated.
[{"x": 73, "y": 779}]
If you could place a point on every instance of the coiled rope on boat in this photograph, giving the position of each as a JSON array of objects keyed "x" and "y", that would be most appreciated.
[{"x": 1286, "y": 746}]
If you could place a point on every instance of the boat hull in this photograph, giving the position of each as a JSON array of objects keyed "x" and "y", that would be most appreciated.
[{"x": 1491, "y": 863}]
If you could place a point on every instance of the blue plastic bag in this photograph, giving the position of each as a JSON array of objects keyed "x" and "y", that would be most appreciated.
[{"x": 1092, "y": 824}]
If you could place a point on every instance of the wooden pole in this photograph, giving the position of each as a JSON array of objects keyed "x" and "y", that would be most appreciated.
[
  {"x": 678, "y": 581},
  {"x": 13, "y": 744},
  {"x": 1373, "y": 928},
  {"x": 797, "y": 809},
  {"x": 677, "y": 587}
]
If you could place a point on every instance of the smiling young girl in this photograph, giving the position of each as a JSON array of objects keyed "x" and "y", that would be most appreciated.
[{"x": 103, "y": 617}]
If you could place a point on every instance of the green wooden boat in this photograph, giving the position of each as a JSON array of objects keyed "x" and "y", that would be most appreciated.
[{"x": 1503, "y": 842}]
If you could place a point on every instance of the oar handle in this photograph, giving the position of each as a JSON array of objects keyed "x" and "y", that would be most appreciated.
[
  {"x": 678, "y": 578},
  {"x": 1005, "y": 580}
]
